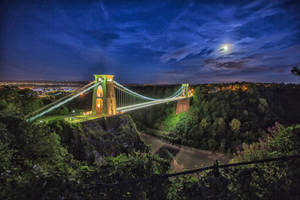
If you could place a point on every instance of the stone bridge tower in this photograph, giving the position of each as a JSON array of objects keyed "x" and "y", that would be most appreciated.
[
  {"x": 104, "y": 97},
  {"x": 184, "y": 104}
]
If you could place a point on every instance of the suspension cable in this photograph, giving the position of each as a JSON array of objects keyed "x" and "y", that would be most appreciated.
[
  {"x": 62, "y": 103},
  {"x": 59, "y": 100},
  {"x": 147, "y": 104},
  {"x": 142, "y": 96}
]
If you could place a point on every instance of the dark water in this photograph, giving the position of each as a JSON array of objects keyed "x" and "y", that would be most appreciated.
[{"x": 184, "y": 157}]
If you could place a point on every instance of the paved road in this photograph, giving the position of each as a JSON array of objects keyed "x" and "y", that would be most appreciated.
[{"x": 184, "y": 157}]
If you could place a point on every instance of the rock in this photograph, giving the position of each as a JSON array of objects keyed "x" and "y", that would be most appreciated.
[{"x": 102, "y": 137}]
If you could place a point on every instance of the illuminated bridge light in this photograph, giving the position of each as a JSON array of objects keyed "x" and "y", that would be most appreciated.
[
  {"x": 128, "y": 100},
  {"x": 99, "y": 91}
]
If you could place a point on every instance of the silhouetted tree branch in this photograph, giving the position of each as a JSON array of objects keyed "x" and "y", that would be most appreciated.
[{"x": 295, "y": 71}]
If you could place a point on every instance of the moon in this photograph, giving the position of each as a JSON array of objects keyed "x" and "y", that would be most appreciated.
[{"x": 225, "y": 48}]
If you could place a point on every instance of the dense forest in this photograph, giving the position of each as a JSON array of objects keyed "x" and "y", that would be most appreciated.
[
  {"x": 100, "y": 159},
  {"x": 223, "y": 116}
]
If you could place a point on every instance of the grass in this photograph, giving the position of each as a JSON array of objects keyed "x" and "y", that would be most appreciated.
[
  {"x": 71, "y": 118},
  {"x": 51, "y": 118},
  {"x": 81, "y": 118}
]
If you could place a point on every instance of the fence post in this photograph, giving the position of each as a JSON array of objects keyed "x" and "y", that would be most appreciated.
[{"x": 216, "y": 169}]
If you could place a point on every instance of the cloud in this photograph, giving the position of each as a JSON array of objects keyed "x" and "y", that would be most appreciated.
[
  {"x": 179, "y": 54},
  {"x": 105, "y": 13},
  {"x": 187, "y": 52},
  {"x": 175, "y": 41},
  {"x": 233, "y": 65},
  {"x": 104, "y": 38}
]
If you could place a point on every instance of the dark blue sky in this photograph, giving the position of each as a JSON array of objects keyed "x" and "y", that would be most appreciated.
[{"x": 150, "y": 41}]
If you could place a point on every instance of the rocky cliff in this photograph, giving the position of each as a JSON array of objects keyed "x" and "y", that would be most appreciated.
[{"x": 95, "y": 139}]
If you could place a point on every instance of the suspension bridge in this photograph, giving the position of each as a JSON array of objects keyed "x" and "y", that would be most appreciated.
[{"x": 111, "y": 98}]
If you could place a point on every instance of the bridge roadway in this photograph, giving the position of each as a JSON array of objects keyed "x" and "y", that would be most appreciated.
[
  {"x": 120, "y": 110},
  {"x": 147, "y": 104}
]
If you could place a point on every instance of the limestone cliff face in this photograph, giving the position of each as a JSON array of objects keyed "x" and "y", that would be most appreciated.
[{"x": 95, "y": 139}]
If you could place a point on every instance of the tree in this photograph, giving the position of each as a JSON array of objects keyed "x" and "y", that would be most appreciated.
[
  {"x": 235, "y": 125},
  {"x": 204, "y": 123},
  {"x": 219, "y": 125}
]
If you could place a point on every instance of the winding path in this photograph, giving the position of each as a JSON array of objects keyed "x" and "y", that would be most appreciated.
[{"x": 186, "y": 157}]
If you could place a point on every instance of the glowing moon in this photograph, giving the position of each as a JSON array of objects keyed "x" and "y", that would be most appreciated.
[{"x": 225, "y": 48}]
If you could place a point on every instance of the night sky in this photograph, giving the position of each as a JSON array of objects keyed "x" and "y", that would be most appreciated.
[{"x": 150, "y": 41}]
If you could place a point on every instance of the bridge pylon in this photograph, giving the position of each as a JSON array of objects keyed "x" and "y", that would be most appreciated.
[
  {"x": 185, "y": 90},
  {"x": 184, "y": 104},
  {"x": 104, "y": 97}
]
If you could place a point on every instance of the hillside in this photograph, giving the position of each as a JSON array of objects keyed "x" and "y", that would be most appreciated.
[{"x": 106, "y": 159}]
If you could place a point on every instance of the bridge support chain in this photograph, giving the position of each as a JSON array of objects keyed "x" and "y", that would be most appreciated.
[{"x": 104, "y": 97}]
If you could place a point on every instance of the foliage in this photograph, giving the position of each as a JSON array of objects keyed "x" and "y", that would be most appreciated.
[
  {"x": 28, "y": 151},
  {"x": 171, "y": 120},
  {"x": 208, "y": 185},
  {"x": 282, "y": 177},
  {"x": 39, "y": 161},
  {"x": 295, "y": 71},
  {"x": 235, "y": 125},
  {"x": 222, "y": 116},
  {"x": 44, "y": 161},
  {"x": 272, "y": 180},
  {"x": 279, "y": 141},
  {"x": 21, "y": 101},
  {"x": 98, "y": 138}
]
